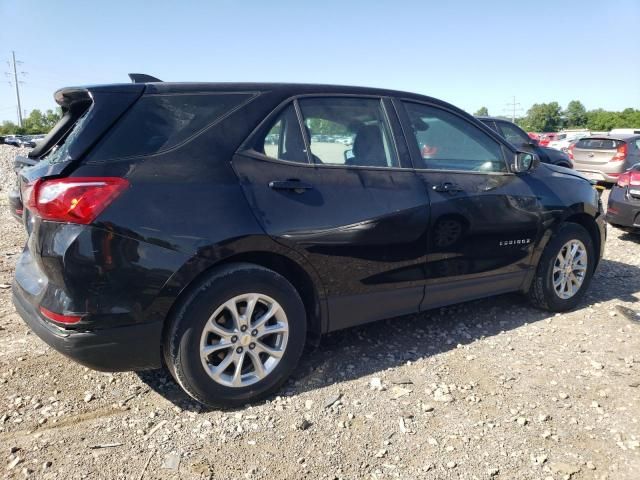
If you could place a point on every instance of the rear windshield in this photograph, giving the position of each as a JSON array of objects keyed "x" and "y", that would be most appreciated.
[
  {"x": 598, "y": 143},
  {"x": 157, "y": 123},
  {"x": 60, "y": 153}
]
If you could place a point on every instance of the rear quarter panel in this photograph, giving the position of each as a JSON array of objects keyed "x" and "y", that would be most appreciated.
[{"x": 187, "y": 204}]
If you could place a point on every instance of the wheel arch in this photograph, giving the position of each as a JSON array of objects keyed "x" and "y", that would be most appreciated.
[
  {"x": 589, "y": 224},
  {"x": 305, "y": 282},
  {"x": 585, "y": 220}
]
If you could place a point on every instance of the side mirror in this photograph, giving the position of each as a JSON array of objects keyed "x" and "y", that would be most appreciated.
[{"x": 523, "y": 162}]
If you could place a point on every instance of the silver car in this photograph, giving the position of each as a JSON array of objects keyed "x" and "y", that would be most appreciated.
[{"x": 604, "y": 158}]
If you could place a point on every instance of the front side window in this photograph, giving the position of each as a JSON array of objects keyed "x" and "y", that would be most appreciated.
[
  {"x": 283, "y": 140},
  {"x": 348, "y": 131},
  {"x": 448, "y": 142},
  {"x": 513, "y": 135}
]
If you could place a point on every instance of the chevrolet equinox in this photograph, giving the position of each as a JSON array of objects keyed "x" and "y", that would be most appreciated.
[{"x": 216, "y": 229}]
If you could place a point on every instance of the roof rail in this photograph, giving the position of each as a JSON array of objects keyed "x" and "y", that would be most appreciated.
[{"x": 142, "y": 78}]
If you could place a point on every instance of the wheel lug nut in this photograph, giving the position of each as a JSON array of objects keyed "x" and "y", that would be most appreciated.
[
  {"x": 234, "y": 339},
  {"x": 243, "y": 328},
  {"x": 239, "y": 350},
  {"x": 254, "y": 332},
  {"x": 252, "y": 346}
]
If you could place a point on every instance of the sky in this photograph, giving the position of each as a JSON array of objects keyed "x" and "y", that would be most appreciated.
[{"x": 471, "y": 53}]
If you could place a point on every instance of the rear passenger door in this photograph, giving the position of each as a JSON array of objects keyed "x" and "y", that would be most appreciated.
[
  {"x": 484, "y": 220},
  {"x": 326, "y": 178}
]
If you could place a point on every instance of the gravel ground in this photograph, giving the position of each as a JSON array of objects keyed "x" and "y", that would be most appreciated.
[{"x": 487, "y": 389}]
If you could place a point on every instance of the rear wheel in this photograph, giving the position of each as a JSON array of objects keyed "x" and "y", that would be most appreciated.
[
  {"x": 237, "y": 337},
  {"x": 565, "y": 269}
]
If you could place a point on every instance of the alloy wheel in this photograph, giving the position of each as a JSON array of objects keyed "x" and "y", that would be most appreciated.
[
  {"x": 244, "y": 340},
  {"x": 569, "y": 269}
]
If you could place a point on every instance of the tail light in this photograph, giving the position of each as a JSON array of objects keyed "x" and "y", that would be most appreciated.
[
  {"x": 73, "y": 200},
  {"x": 629, "y": 178},
  {"x": 570, "y": 150},
  {"x": 621, "y": 153}
]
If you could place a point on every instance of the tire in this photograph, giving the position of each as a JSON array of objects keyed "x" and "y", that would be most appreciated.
[
  {"x": 238, "y": 284},
  {"x": 542, "y": 293}
]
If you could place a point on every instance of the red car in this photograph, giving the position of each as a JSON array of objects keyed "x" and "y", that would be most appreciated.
[{"x": 545, "y": 138}]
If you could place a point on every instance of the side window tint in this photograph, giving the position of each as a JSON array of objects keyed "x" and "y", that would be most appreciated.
[
  {"x": 513, "y": 135},
  {"x": 284, "y": 140},
  {"x": 348, "y": 131},
  {"x": 448, "y": 142},
  {"x": 157, "y": 123}
]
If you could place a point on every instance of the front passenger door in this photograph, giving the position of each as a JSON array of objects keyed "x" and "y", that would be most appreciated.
[{"x": 484, "y": 220}]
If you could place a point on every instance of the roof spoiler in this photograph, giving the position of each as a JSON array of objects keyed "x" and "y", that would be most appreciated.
[{"x": 142, "y": 78}]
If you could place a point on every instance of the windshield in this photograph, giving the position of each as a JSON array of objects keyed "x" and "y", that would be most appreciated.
[{"x": 60, "y": 153}]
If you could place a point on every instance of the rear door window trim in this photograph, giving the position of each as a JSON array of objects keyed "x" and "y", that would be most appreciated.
[{"x": 247, "y": 147}]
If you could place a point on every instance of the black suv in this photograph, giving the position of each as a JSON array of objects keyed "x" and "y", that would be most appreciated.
[
  {"x": 217, "y": 228},
  {"x": 521, "y": 140}
]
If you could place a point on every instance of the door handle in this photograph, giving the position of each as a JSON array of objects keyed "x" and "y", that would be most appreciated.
[
  {"x": 291, "y": 184},
  {"x": 447, "y": 187}
]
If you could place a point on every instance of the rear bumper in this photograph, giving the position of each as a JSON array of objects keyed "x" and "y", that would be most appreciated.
[
  {"x": 598, "y": 175},
  {"x": 134, "y": 347},
  {"x": 621, "y": 212}
]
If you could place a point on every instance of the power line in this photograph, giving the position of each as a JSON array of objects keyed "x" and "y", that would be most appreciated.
[
  {"x": 16, "y": 82},
  {"x": 513, "y": 107}
]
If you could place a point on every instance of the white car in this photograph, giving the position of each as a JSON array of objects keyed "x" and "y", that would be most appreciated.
[
  {"x": 564, "y": 139},
  {"x": 345, "y": 140}
]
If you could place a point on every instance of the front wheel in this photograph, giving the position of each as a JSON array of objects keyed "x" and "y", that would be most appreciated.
[
  {"x": 565, "y": 269},
  {"x": 237, "y": 337}
]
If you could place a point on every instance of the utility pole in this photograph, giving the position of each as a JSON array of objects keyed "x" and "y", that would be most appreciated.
[
  {"x": 17, "y": 85},
  {"x": 513, "y": 106}
]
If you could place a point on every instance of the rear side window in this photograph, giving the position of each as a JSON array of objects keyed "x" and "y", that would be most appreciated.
[
  {"x": 513, "y": 135},
  {"x": 157, "y": 123},
  {"x": 348, "y": 131},
  {"x": 598, "y": 143}
]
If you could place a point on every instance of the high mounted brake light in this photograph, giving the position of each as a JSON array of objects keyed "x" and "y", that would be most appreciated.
[{"x": 73, "y": 200}]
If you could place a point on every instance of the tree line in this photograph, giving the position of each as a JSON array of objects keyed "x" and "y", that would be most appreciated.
[
  {"x": 550, "y": 117},
  {"x": 37, "y": 122}
]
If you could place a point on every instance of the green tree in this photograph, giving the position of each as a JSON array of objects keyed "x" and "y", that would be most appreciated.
[
  {"x": 601, "y": 120},
  {"x": 36, "y": 122},
  {"x": 575, "y": 114},
  {"x": 8, "y": 127},
  {"x": 482, "y": 112},
  {"x": 544, "y": 117}
]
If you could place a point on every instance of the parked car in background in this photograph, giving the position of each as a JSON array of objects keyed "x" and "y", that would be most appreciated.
[
  {"x": 14, "y": 140},
  {"x": 545, "y": 138},
  {"x": 521, "y": 140},
  {"x": 163, "y": 229},
  {"x": 28, "y": 141},
  {"x": 564, "y": 139},
  {"x": 623, "y": 210},
  {"x": 15, "y": 200},
  {"x": 534, "y": 135},
  {"x": 604, "y": 158}
]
